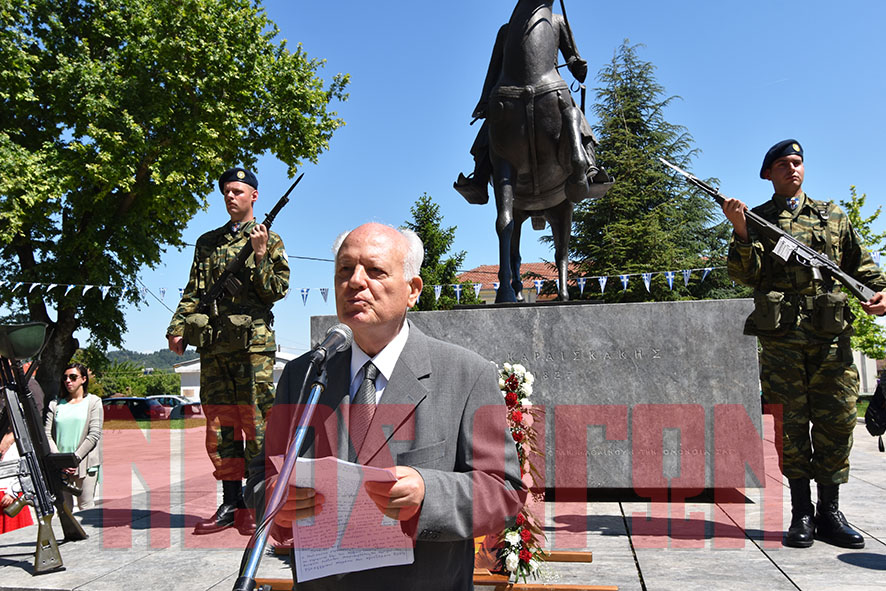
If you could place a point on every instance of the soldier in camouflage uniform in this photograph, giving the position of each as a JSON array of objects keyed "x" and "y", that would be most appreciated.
[
  {"x": 235, "y": 341},
  {"x": 804, "y": 327}
]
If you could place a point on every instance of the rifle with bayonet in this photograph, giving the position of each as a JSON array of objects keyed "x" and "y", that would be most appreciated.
[
  {"x": 228, "y": 282},
  {"x": 39, "y": 471},
  {"x": 786, "y": 246}
]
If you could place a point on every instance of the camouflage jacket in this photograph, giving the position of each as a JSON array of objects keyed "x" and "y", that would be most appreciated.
[
  {"x": 263, "y": 284},
  {"x": 821, "y": 225}
]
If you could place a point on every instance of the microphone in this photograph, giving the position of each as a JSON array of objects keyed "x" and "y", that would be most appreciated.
[{"x": 338, "y": 338}]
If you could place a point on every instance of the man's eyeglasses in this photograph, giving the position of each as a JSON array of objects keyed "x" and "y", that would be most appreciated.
[{"x": 70, "y": 377}]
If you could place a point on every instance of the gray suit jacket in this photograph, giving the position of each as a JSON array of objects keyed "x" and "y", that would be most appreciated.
[{"x": 441, "y": 413}]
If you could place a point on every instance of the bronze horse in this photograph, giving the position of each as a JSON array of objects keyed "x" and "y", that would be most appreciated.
[{"x": 535, "y": 143}]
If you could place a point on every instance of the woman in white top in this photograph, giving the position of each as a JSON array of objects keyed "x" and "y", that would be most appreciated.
[{"x": 74, "y": 424}]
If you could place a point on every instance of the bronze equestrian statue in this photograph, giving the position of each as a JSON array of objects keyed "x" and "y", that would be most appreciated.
[{"x": 535, "y": 143}]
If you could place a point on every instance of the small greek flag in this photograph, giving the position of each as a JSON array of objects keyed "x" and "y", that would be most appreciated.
[
  {"x": 438, "y": 289},
  {"x": 602, "y": 281},
  {"x": 477, "y": 288},
  {"x": 537, "y": 284},
  {"x": 686, "y": 274},
  {"x": 669, "y": 275},
  {"x": 647, "y": 279},
  {"x": 624, "y": 282},
  {"x": 581, "y": 284},
  {"x": 457, "y": 288},
  {"x": 324, "y": 291},
  {"x": 705, "y": 272},
  {"x": 304, "y": 295}
]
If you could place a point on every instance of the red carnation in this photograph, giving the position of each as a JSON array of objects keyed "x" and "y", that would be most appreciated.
[
  {"x": 526, "y": 535},
  {"x": 525, "y": 555},
  {"x": 518, "y": 436},
  {"x": 511, "y": 398},
  {"x": 520, "y": 519},
  {"x": 517, "y": 416},
  {"x": 512, "y": 383}
]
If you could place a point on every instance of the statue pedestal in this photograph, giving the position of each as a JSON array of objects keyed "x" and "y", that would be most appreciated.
[{"x": 644, "y": 396}]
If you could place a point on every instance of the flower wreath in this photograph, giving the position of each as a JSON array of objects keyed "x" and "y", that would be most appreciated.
[{"x": 520, "y": 548}]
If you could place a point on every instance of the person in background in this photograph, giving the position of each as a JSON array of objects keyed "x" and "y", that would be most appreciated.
[
  {"x": 74, "y": 425},
  {"x": 8, "y": 494}
]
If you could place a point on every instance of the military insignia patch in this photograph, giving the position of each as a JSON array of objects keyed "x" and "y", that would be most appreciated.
[
  {"x": 796, "y": 147},
  {"x": 241, "y": 174}
]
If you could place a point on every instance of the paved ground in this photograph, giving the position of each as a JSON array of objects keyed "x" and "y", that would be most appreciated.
[{"x": 142, "y": 540}]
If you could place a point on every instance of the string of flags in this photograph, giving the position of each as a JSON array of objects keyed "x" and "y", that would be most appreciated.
[{"x": 29, "y": 287}]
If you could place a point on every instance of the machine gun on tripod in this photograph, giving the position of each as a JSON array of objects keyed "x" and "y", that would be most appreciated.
[{"x": 38, "y": 470}]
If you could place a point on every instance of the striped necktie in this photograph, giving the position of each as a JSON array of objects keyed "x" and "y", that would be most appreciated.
[{"x": 363, "y": 406}]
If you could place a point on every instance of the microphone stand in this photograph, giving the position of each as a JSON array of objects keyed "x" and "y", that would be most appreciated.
[{"x": 255, "y": 548}]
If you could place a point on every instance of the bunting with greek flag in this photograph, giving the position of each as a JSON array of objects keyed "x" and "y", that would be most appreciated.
[
  {"x": 438, "y": 289},
  {"x": 602, "y": 281},
  {"x": 457, "y": 287},
  {"x": 304, "y": 295},
  {"x": 669, "y": 275},
  {"x": 624, "y": 282},
  {"x": 537, "y": 283},
  {"x": 324, "y": 291},
  {"x": 477, "y": 288},
  {"x": 647, "y": 279},
  {"x": 687, "y": 273},
  {"x": 581, "y": 285}
]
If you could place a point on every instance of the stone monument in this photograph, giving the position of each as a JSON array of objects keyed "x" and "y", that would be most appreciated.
[{"x": 642, "y": 396}]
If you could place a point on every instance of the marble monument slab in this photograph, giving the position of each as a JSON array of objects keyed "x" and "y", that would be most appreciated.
[{"x": 645, "y": 395}]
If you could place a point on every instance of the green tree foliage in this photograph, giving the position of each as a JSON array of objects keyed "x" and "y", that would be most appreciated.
[
  {"x": 869, "y": 337},
  {"x": 650, "y": 220},
  {"x": 118, "y": 116},
  {"x": 438, "y": 268}
]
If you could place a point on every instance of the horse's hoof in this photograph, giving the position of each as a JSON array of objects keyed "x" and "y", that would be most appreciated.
[{"x": 505, "y": 296}]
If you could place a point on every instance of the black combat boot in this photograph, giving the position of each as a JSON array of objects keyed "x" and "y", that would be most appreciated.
[
  {"x": 800, "y": 533},
  {"x": 224, "y": 517},
  {"x": 830, "y": 524}
]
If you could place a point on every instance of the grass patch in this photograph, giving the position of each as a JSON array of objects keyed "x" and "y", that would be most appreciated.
[{"x": 119, "y": 424}]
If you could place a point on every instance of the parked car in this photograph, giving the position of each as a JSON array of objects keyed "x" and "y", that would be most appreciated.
[
  {"x": 179, "y": 406},
  {"x": 128, "y": 408},
  {"x": 188, "y": 410}
]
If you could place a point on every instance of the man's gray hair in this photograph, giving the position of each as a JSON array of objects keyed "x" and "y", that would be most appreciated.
[{"x": 415, "y": 251}]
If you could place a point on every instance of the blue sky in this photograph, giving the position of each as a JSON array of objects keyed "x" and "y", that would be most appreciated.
[{"x": 748, "y": 73}]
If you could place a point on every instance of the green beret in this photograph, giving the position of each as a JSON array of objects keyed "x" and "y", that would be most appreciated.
[
  {"x": 780, "y": 150},
  {"x": 238, "y": 174}
]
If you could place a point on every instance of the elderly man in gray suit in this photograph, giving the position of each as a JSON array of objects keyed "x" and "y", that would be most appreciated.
[{"x": 439, "y": 423}]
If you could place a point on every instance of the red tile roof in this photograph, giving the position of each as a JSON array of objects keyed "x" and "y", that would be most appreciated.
[{"x": 486, "y": 274}]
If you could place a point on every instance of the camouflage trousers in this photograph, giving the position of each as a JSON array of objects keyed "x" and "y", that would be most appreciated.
[
  {"x": 236, "y": 392},
  {"x": 814, "y": 384}
]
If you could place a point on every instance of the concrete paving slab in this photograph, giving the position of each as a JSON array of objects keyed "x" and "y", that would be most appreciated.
[{"x": 727, "y": 541}]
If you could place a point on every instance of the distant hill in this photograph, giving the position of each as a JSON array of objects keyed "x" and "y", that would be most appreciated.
[{"x": 161, "y": 360}]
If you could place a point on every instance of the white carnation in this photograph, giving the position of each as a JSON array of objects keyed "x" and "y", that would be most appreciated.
[
  {"x": 501, "y": 383},
  {"x": 519, "y": 369},
  {"x": 512, "y": 538},
  {"x": 507, "y": 366},
  {"x": 512, "y": 561},
  {"x": 527, "y": 389},
  {"x": 529, "y": 378}
]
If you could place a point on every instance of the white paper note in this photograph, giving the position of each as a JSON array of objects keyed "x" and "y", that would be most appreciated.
[{"x": 350, "y": 534}]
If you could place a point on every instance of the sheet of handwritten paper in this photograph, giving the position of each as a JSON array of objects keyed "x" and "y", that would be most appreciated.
[{"x": 350, "y": 534}]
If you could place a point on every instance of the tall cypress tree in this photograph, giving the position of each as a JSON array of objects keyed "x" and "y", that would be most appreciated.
[
  {"x": 438, "y": 268},
  {"x": 650, "y": 220}
]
